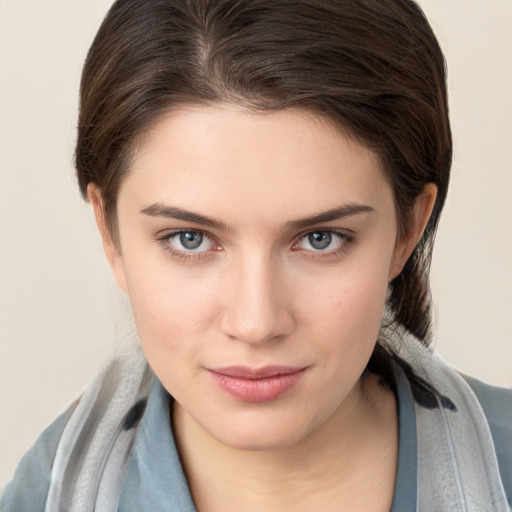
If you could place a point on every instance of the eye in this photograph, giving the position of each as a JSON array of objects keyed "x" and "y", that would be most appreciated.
[
  {"x": 187, "y": 242},
  {"x": 192, "y": 241},
  {"x": 322, "y": 241}
]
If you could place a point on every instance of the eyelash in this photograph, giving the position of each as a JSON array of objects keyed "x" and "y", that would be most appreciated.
[
  {"x": 165, "y": 241},
  {"x": 346, "y": 239}
]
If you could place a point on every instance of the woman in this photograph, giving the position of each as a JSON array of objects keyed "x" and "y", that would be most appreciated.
[{"x": 267, "y": 178}]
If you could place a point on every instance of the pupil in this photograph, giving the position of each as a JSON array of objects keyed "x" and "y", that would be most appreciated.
[
  {"x": 191, "y": 240},
  {"x": 320, "y": 239}
]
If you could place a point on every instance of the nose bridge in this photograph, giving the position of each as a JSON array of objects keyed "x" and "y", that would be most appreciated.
[{"x": 255, "y": 308}]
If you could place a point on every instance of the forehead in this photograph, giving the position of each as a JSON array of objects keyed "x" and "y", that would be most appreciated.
[{"x": 223, "y": 158}]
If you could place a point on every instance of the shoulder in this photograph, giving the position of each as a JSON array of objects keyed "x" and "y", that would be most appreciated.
[
  {"x": 28, "y": 489},
  {"x": 497, "y": 406}
]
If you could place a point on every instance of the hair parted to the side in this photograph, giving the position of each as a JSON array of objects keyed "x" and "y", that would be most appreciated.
[{"x": 374, "y": 67}]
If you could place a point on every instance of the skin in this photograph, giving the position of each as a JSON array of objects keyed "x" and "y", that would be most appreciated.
[{"x": 256, "y": 292}]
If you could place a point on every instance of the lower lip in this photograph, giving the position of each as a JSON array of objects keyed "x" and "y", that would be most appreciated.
[{"x": 257, "y": 390}]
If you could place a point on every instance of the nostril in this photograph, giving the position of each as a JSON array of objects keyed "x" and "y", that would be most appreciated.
[
  {"x": 258, "y": 329},
  {"x": 255, "y": 307}
]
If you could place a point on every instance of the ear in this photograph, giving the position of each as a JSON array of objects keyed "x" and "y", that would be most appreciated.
[
  {"x": 112, "y": 251},
  {"x": 421, "y": 211}
]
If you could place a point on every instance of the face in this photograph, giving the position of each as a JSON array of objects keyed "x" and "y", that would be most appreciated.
[{"x": 256, "y": 250}]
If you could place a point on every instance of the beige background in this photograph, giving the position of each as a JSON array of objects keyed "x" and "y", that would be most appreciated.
[{"x": 60, "y": 313}]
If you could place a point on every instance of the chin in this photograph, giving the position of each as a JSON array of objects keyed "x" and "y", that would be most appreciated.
[
  {"x": 259, "y": 442},
  {"x": 267, "y": 433}
]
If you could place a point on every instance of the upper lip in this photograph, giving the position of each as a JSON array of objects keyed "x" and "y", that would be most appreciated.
[{"x": 264, "y": 372}]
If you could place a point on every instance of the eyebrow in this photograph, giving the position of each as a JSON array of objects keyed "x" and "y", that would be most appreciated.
[
  {"x": 346, "y": 210},
  {"x": 173, "y": 212}
]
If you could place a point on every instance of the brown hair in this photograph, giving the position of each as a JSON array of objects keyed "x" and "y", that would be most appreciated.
[{"x": 372, "y": 66}]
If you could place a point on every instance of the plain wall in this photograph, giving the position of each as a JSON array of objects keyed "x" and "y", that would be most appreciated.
[{"x": 60, "y": 312}]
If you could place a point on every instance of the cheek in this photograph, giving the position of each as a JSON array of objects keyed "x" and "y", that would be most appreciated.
[
  {"x": 351, "y": 297},
  {"x": 170, "y": 309},
  {"x": 344, "y": 316}
]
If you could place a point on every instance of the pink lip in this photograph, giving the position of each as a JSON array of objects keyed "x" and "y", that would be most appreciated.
[{"x": 257, "y": 384}]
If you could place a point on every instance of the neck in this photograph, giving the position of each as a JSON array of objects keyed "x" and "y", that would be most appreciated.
[{"x": 347, "y": 463}]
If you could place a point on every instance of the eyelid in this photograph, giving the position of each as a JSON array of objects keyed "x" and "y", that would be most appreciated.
[
  {"x": 347, "y": 236},
  {"x": 345, "y": 233},
  {"x": 163, "y": 238}
]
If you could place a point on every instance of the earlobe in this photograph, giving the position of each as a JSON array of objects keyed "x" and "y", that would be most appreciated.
[
  {"x": 112, "y": 251},
  {"x": 421, "y": 212}
]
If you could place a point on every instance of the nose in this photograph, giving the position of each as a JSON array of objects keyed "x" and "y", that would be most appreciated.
[{"x": 256, "y": 306}]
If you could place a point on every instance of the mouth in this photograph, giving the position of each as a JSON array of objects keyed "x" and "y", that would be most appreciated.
[{"x": 257, "y": 385}]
